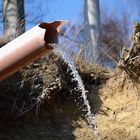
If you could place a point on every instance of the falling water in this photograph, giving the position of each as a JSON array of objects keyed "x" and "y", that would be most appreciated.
[{"x": 89, "y": 116}]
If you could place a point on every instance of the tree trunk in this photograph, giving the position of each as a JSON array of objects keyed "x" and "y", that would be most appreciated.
[
  {"x": 14, "y": 25},
  {"x": 92, "y": 31},
  {"x": 13, "y": 18}
]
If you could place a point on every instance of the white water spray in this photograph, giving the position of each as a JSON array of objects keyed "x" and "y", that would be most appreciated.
[{"x": 89, "y": 116}]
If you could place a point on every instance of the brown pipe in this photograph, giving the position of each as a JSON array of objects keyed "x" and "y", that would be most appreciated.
[{"x": 28, "y": 47}]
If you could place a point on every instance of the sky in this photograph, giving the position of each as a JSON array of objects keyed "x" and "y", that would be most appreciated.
[
  {"x": 72, "y": 10},
  {"x": 69, "y": 9}
]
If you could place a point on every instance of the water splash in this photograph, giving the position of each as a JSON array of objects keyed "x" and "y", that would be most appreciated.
[{"x": 89, "y": 116}]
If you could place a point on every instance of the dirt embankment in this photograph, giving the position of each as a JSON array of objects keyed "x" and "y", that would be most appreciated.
[
  {"x": 121, "y": 105},
  {"x": 114, "y": 99}
]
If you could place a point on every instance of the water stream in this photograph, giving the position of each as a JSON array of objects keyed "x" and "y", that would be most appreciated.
[{"x": 76, "y": 77}]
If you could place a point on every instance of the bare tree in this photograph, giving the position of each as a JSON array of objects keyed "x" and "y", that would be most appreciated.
[
  {"x": 13, "y": 20},
  {"x": 14, "y": 25},
  {"x": 92, "y": 31}
]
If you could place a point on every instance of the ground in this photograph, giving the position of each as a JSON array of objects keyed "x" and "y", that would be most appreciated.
[
  {"x": 121, "y": 104},
  {"x": 113, "y": 96}
]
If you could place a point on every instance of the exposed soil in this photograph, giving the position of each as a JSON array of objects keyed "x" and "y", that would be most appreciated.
[
  {"x": 121, "y": 105},
  {"x": 113, "y": 97}
]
